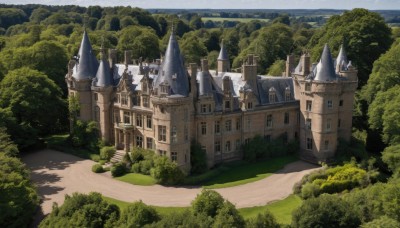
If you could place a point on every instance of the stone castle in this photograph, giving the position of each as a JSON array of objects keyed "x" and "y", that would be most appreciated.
[{"x": 165, "y": 105}]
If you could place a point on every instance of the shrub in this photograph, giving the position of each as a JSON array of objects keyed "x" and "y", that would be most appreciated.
[
  {"x": 265, "y": 219},
  {"x": 95, "y": 157},
  {"x": 138, "y": 214},
  {"x": 309, "y": 190},
  {"x": 208, "y": 202},
  {"x": 198, "y": 159},
  {"x": 97, "y": 168},
  {"x": 228, "y": 216},
  {"x": 107, "y": 152},
  {"x": 135, "y": 168},
  {"x": 166, "y": 172},
  {"x": 145, "y": 166},
  {"x": 118, "y": 170},
  {"x": 136, "y": 156}
]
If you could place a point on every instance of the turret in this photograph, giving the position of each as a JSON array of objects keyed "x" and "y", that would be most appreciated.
[
  {"x": 325, "y": 70},
  {"x": 223, "y": 64}
]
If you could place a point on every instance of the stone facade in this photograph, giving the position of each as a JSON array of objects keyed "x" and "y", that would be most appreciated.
[{"x": 164, "y": 106}]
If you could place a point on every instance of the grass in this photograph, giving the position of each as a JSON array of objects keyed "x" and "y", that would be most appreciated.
[
  {"x": 61, "y": 143},
  {"x": 161, "y": 210},
  {"x": 221, "y": 19},
  {"x": 241, "y": 172},
  {"x": 137, "y": 179},
  {"x": 282, "y": 209}
]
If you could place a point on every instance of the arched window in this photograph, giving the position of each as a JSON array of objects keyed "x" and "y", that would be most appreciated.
[
  {"x": 97, "y": 114},
  {"x": 272, "y": 95}
]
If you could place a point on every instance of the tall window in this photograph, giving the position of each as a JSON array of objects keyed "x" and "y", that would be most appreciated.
[
  {"x": 228, "y": 146},
  {"x": 217, "y": 127},
  {"x": 203, "y": 128},
  {"x": 272, "y": 96},
  {"x": 287, "y": 94},
  {"x": 124, "y": 99},
  {"x": 127, "y": 117},
  {"x": 118, "y": 98},
  {"x": 238, "y": 124},
  {"x": 286, "y": 120},
  {"x": 269, "y": 121},
  {"x": 96, "y": 96},
  {"x": 149, "y": 121},
  {"x": 308, "y": 105},
  {"x": 137, "y": 101},
  {"x": 341, "y": 103},
  {"x": 162, "y": 133},
  {"x": 117, "y": 117},
  {"x": 97, "y": 113},
  {"x": 330, "y": 104},
  {"x": 328, "y": 124},
  {"x": 174, "y": 156},
  {"x": 238, "y": 144},
  {"x": 250, "y": 105},
  {"x": 205, "y": 108},
  {"x": 308, "y": 87},
  {"x": 139, "y": 141},
  {"x": 228, "y": 125},
  {"x": 174, "y": 137},
  {"x": 162, "y": 152},
  {"x": 309, "y": 143},
  {"x": 227, "y": 104},
  {"x": 149, "y": 142},
  {"x": 217, "y": 146},
  {"x": 326, "y": 145},
  {"x": 139, "y": 122},
  {"x": 186, "y": 133},
  {"x": 308, "y": 123},
  {"x": 146, "y": 102}
]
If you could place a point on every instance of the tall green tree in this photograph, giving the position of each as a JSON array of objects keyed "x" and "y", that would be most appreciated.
[
  {"x": 142, "y": 41},
  {"x": 33, "y": 99},
  {"x": 138, "y": 214}
]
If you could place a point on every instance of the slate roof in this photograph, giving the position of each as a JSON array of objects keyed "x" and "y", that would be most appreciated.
[
  {"x": 87, "y": 64},
  {"x": 223, "y": 54},
  {"x": 103, "y": 76},
  {"x": 173, "y": 71},
  {"x": 341, "y": 60},
  {"x": 325, "y": 71}
]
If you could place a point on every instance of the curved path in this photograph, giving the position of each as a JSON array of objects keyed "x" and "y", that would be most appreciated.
[{"x": 56, "y": 174}]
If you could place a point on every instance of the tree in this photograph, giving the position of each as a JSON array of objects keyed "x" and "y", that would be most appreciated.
[
  {"x": 166, "y": 171},
  {"x": 265, "y": 219},
  {"x": 198, "y": 159},
  {"x": 138, "y": 214},
  {"x": 6, "y": 145},
  {"x": 383, "y": 221},
  {"x": 391, "y": 156},
  {"x": 33, "y": 99},
  {"x": 208, "y": 202},
  {"x": 193, "y": 50},
  {"x": 272, "y": 43},
  {"x": 81, "y": 210},
  {"x": 325, "y": 211},
  {"x": 277, "y": 68},
  {"x": 183, "y": 219},
  {"x": 228, "y": 216},
  {"x": 39, "y": 14},
  {"x": 365, "y": 35},
  {"x": 18, "y": 198},
  {"x": 142, "y": 41}
]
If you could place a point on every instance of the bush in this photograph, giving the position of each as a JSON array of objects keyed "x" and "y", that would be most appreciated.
[
  {"x": 118, "y": 170},
  {"x": 97, "y": 168},
  {"x": 136, "y": 156},
  {"x": 107, "y": 152},
  {"x": 95, "y": 157},
  {"x": 166, "y": 172},
  {"x": 208, "y": 202},
  {"x": 265, "y": 219},
  {"x": 145, "y": 166},
  {"x": 198, "y": 159},
  {"x": 228, "y": 216},
  {"x": 135, "y": 168},
  {"x": 138, "y": 214}
]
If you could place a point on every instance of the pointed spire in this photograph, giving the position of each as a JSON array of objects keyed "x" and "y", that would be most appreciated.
[
  {"x": 223, "y": 54},
  {"x": 341, "y": 60},
  {"x": 325, "y": 70},
  {"x": 173, "y": 70},
  {"x": 103, "y": 75},
  {"x": 87, "y": 63}
]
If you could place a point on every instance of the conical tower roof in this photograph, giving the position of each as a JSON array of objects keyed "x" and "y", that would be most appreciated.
[
  {"x": 341, "y": 60},
  {"x": 173, "y": 71},
  {"x": 103, "y": 76},
  {"x": 325, "y": 70},
  {"x": 223, "y": 54},
  {"x": 86, "y": 66}
]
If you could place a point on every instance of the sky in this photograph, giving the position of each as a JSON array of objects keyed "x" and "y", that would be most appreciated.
[{"x": 225, "y": 4}]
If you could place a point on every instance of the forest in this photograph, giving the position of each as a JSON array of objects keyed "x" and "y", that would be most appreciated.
[{"x": 36, "y": 42}]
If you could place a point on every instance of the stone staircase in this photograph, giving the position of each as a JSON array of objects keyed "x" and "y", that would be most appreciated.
[{"x": 118, "y": 156}]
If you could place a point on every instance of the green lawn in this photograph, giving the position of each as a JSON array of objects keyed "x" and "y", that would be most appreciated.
[
  {"x": 282, "y": 209},
  {"x": 137, "y": 179},
  {"x": 242, "y": 172},
  {"x": 60, "y": 143},
  {"x": 221, "y": 19}
]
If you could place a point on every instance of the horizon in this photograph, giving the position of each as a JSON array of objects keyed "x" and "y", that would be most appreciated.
[{"x": 239, "y": 4}]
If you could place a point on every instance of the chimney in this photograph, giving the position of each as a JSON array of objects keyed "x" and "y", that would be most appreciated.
[
  {"x": 128, "y": 57},
  {"x": 204, "y": 65},
  {"x": 193, "y": 80},
  {"x": 289, "y": 65},
  {"x": 112, "y": 57},
  {"x": 305, "y": 62}
]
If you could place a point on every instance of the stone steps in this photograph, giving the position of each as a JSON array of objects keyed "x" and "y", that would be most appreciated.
[{"x": 118, "y": 156}]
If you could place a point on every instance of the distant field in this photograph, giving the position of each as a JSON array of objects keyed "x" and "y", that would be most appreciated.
[{"x": 221, "y": 19}]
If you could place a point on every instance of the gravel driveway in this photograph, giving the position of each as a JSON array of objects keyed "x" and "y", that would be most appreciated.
[{"x": 56, "y": 174}]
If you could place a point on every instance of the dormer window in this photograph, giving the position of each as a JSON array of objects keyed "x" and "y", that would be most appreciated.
[
  {"x": 144, "y": 87},
  {"x": 287, "y": 94},
  {"x": 272, "y": 95},
  {"x": 164, "y": 88},
  {"x": 308, "y": 87},
  {"x": 250, "y": 105},
  {"x": 124, "y": 99}
]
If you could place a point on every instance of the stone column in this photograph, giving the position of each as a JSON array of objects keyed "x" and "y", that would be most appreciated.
[
  {"x": 116, "y": 138},
  {"x": 126, "y": 142}
]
